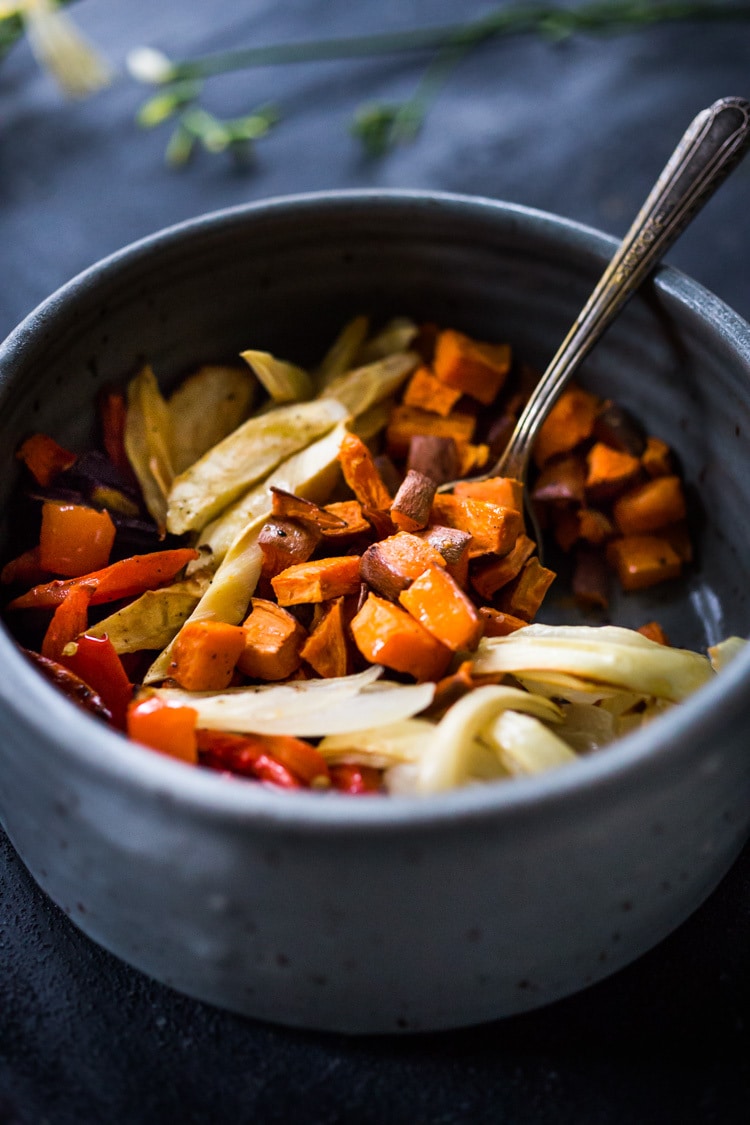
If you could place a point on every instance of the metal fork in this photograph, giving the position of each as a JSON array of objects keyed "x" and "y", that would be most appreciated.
[{"x": 714, "y": 143}]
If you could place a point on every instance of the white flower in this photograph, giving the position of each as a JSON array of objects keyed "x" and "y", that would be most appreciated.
[
  {"x": 61, "y": 48},
  {"x": 148, "y": 65}
]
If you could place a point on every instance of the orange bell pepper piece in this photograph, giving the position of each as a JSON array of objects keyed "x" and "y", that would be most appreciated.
[
  {"x": 170, "y": 730},
  {"x": 74, "y": 539}
]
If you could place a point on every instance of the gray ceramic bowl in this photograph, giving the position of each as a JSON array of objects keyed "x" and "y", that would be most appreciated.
[{"x": 376, "y": 915}]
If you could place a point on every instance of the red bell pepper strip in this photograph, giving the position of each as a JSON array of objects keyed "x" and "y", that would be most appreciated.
[
  {"x": 124, "y": 579},
  {"x": 94, "y": 659},
  {"x": 112, "y": 414},
  {"x": 356, "y": 780},
  {"x": 44, "y": 458},
  {"x": 249, "y": 755},
  {"x": 68, "y": 621},
  {"x": 25, "y": 569},
  {"x": 70, "y": 685}
]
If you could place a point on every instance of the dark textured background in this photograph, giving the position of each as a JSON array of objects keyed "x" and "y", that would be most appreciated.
[{"x": 580, "y": 128}]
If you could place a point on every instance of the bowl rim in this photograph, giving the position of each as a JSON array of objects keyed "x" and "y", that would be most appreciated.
[{"x": 110, "y": 756}]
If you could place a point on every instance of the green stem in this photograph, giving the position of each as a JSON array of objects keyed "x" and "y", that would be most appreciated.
[{"x": 599, "y": 16}]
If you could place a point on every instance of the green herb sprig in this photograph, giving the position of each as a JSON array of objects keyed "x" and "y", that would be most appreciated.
[{"x": 380, "y": 126}]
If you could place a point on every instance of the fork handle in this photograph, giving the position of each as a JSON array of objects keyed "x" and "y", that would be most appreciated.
[{"x": 712, "y": 145}]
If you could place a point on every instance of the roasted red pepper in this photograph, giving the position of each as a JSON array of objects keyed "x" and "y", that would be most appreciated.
[
  {"x": 124, "y": 579},
  {"x": 356, "y": 780},
  {"x": 170, "y": 730},
  {"x": 95, "y": 661},
  {"x": 44, "y": 458},
  {"x": 68, "y": 621}
]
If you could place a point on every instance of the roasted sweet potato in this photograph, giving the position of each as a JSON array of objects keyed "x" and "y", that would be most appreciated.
[
  {"x": 569, "y": 422},
  {"x": 412, "y": 504},
  {"x": 326, "y": 650},
  {"x": 273, "y": 642},
  {"x": 439, "y": 604},
  {"x": 392, "y": 564},
  {"x": 407, "y": 422},
  {"x": 204, "y": 655},
  {"x": 650, "y": 506},
  {"x": 473, "y": 367},
  {"x": 641, "y": 561},
  {"x": 386, "y": 634},
  {"x": 317, "y": 580},
  {"x": 493, "y": 529},
  {"x": 285, "y": 542},
  {"x": 435, "y": 457},
  {"x": 361, "y": 474},
  {"x": 490, "y": 574},
  {"x": 524, "y": 595},
  {"x": 425, "y": 391}
]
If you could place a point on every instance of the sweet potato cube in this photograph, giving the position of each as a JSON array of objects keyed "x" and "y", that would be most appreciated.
[
  {"x": 497, "y": 624},
  {"x": 609, "y": 471},
  {"x": 594, "y": 526},
  {"x": 471, "y": 458},
  {"x": 317, "y": 580},
  {"x": 427, "y": 392},
  {"x": 388, "y": 635},
  {"x": 352, "y": 519},
  {"x": 491, "y": 574},
  {"x": 678, "y": 537},
  {"x": 361, "y": 474},
  {"x": 453, "y": 545},
  {"x": 656, "y": 458},
  {"x": 273, "y": 640},
  {"x": 436, "y": 457},
  {"x": 569, "y": 422},
  {"x": 475, "y": 368},
  {"x": 654, "y": 631},
  {"x": 326, "y": 649},
  {"x": 285, "y": 542},
  {"x": 439, "y": 604},
  {"x": 506, "y": 492},
  {"x": 205, "y": 654},
  {"x": 412, "y": 504},
  {"x": 523, "y": 596},
  {"x": 650, "y": 506},
  {"x": 591, "y": 578},
  {"x": 493, "y": 529},
  {"x": 286, "y": 505},
  {"x": 618, "y": 429},
  {"x": 392, "y": 564},
  {"x": 407, "y": 422},
  {"x": 566, "y": 527},
  {"x": 561, "y": 481},
  {"x": 641, "y": 561}
]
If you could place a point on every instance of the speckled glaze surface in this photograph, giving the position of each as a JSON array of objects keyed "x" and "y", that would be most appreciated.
[{"x": 384, "y": 915}]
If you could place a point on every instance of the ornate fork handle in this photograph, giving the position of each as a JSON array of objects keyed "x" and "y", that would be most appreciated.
[{"x": 713, "y": 144}]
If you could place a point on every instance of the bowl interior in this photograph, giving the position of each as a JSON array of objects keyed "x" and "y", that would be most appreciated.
[{"x": 285, "y": 276}]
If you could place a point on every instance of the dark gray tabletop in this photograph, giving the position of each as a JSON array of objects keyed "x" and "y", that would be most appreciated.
[{"x": 580, "y": 127}]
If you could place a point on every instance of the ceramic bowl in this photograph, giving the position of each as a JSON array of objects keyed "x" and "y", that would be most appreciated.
[{"x": 375, "y": 914}]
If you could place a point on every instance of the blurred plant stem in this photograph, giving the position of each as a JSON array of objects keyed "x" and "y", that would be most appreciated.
[
  {"x": 59, "y": 47},
  {"x": 382, "y": 125}
]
